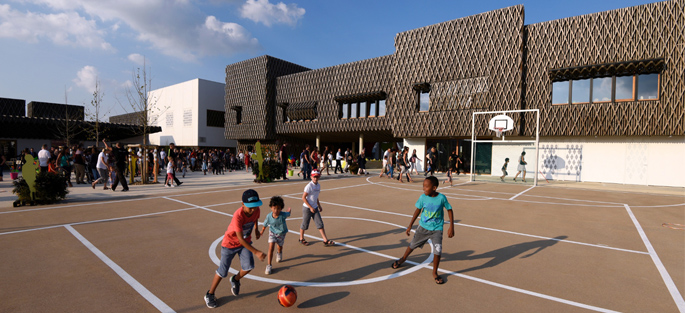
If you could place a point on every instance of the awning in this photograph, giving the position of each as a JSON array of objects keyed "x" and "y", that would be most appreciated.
[
  {"x": 651, "y": 66},
  {"x": 51, "y": 128},
  {"x": 301, "y": 111},
  {"x": 422, "y": 87}
]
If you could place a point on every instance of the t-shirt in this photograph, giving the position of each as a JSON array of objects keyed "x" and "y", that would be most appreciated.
[
  {"x": 312, "y": 191},
  {"x": 453, "y": 160},
  {"x": 277, "y": 225},
  {"x": 170, "y": 167},
  {"x": 121, "y": 156},
  {"x": 43, "y": 156},
  {"x": 240, "y": 221},
  {"x": 432, "y": 216},
  {"x": 102, "y": 156}
]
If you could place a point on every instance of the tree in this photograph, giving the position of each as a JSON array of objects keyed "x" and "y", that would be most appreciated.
[
  {"x": 95, "y": 113},
  {"x": 138, "y": 96},
  {"x": 69, "y": 128}
]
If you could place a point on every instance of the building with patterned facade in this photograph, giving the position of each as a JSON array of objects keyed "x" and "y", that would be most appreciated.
[{"x": 609, "y": 87}]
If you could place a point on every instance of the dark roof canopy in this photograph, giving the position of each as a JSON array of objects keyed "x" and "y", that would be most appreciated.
[
  {"x": 423, "y": 87},
  {"x": 51, "y": 128},
  {"x": 651, "y": 66}
]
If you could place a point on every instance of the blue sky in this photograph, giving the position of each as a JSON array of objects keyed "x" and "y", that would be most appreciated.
[{"x": 49, "y": 48}]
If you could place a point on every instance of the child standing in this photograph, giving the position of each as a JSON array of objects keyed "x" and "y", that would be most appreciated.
[
  {"x": 277, "y": 229},
  {"x": 238, "y": 241},
  {"x": 504, "y": 169},
  {"x": 311, "y": 209},
  {"x": 170, "y": 173},
  {"x": 430, "y": 205}
]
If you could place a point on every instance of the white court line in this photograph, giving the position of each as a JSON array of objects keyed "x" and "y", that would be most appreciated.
[
  {"x": 520, "y": 193},
  {"x": 672, "y": 288},
  {"x": 480, "y": 280},
  {"x": 453, "y": 197},
  {"x": 149, "y": 296}
]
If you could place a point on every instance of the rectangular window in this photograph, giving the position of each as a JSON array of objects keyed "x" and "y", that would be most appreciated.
[
  {"x": 170, "y": 119},
  {"x": 601, "y": 89},
  {"x": 345, "y": 110},
  {"x": 580, "y": 90},
  {"x": 381, "y": 108},
  {"x": 215, "y": 118},
  {"x": 373, "y": 108},
  {"x": 187, "y": 117},
  {"x": 648, "y": 87},
  {"x": 353, "y": 111},
  {"x": 362, "y": 109},
  {"x": 239, "y": 115},
  {"x": 624, "y": 88},
  {"x": 560, "y": 92},
  {"x": 424, "y": 101}
]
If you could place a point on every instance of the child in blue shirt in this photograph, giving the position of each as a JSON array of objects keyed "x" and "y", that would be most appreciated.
[
  {"x": 277, "y": 229},
  {"x": 430, "y": 205}
]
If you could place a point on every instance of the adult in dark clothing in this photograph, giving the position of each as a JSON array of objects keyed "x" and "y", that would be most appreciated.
[
  {"x": 283, "y": 157},
  {"x": 120, "y": 156},
  {"x": 433, "y": 161},
  {"x": 306, "y": 164},
  {"x": 174, "y": 155}
]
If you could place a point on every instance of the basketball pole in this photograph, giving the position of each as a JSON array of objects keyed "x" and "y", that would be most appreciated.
[{"x": 473, "y": 142}]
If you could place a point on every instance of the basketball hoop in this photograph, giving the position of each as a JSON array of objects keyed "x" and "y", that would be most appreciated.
[{"x": 498, "y": 131}]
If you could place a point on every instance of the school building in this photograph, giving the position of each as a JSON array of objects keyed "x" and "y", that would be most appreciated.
[{"x": 609, "y": 88}]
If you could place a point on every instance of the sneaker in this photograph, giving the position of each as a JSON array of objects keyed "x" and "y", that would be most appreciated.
[
  {"x": 180, "y": 183},
  {"x": 268, "y": 270},
  {"x": 210, "y": 299},
  {"x": 279, "y": 257},
  {"x": 235, "y": 286},
  {"x": 167, "y": 186}
]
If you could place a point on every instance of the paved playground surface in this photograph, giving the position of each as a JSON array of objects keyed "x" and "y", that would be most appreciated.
[{"x": 551, "y": 248}]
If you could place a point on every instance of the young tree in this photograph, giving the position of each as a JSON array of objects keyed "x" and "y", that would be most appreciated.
[
  {"x": 95, "y": 113},
  {"x": 69, "y": 127}
]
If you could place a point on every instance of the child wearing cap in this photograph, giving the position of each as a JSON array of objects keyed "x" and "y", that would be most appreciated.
[
  {"x": 311, "y": 209},
  {"x": 237, "y": 241}
]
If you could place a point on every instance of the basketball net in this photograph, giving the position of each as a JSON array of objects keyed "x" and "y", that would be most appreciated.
[{"x": 498, "y": 131}]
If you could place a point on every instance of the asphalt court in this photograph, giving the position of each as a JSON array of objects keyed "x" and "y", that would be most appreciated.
[{"x": 515, "y": 249}]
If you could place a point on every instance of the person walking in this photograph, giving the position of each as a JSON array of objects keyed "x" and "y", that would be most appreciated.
[
  {"x": 120, "y": 158},
  {"x": 522, "y": 166},
  {"x": 338, "y": 162},
  {"x": 283, "y": 158}
]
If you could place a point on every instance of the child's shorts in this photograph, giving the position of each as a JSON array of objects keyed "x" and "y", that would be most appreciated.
[
  {"x": 422, "y": 235},
  {"x": 277, "y": 238},
  {"x": 505, "y": 172},
  {"x": 246, "y": 260},
  {"x": 307, "y": 215}
]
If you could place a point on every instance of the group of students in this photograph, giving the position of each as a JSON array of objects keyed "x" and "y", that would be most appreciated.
[
  {"x": 237, "y": 239},
  {"x": 312, "y": 158}
]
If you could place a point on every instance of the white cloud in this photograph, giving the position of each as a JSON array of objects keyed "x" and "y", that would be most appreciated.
[
  {"x": 262, "y": 11},
  {"x": 86, "y": 78},
  {"x": 176, "y": 28},
  {"x": 66, "y": 29},
  {"x": 136, "y": 58}
]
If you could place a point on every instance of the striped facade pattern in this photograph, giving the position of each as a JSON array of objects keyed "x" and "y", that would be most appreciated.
[{"x": 486, "y": 62}]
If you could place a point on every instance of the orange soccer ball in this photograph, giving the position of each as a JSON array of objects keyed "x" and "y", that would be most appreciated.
[{"x": 287, "y": 296}]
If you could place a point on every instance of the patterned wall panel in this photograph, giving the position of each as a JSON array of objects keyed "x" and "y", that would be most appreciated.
[
  {"x": 650, "y": 31},
  {"x": 13, "y": 107},
  {"x": 323, "y": 86},
  {"x": 251, "y": 85},
  {"x": 55, "y": 110},
  {"x": 486, "y": 46},
  {"x": 128, "y": 118}
]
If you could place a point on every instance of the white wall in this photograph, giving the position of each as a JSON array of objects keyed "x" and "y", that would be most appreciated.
[
  {"x": 175, "y": 100},
  {"x": 211, "y": 97},
  {"x": 655, "y": 161},
  {"x": 420, "y": 145}
]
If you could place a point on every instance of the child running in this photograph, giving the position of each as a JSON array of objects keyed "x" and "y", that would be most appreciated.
[
  {"x": 504, "y": 169},
  {"x": 311, "y": 209},
  {"x": 430, "y": 205},
  {"x": 277, "y": 229},
  {"x": 238, "y": 241},
  {"x": 169, "y": 182}
]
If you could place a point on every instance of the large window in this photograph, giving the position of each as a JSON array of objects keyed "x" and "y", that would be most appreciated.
[
  {"x": 353, "y": 110},
  {"x": 642, "y": 87},
  {"x": 345, "y": 110},
  {"x": 381, "y": 107},
  {"x": 362, "y": 109},
  {"x": 215, "y": 118},
  {"x": 373, "y": 108},
  {"x": 363, "y": 105}
]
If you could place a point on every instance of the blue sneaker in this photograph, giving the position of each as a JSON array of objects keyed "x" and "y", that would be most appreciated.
[
  {"x": 210, "y": 300},
  {"x": 235, "y": 286}
]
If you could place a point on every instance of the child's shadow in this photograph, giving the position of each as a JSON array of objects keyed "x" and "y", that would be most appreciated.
[{"x": 503, "y": 254}]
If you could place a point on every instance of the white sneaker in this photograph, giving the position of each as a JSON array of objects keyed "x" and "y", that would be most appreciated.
[
  {"x": 268, "y": 270},
  {"x": 279, "y": 257}
]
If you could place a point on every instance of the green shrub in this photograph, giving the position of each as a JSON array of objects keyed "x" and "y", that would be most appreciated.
[
  {"x": 50, "y": 188},
  {"x": 272, "y": 168}
]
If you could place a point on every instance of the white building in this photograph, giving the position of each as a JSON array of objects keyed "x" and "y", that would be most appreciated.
[{"x": 191, "y": 114}]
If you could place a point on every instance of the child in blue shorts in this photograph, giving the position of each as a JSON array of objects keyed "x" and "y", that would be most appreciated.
[
  {"x": 430, "y": 205},
  {"x": 275, "y": 221}
]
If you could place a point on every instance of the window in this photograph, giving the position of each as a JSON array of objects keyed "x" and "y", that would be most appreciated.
[
  {"x": 648, "y": 87},
  {"x": 601, "y": 89},
  {"x": 170, "y": 119},
  {"x": 424, "y": 101},
  {"x": 624, "y": 88},
  {"x": 353, "y": 110},
  {"x": 362, "y": 109},
  {"x": 238, "y": 115},
  {"x": 381, "y": 107},
  {"x": 373, "y": 108},
  {"x": 580, "y": 91},
  {"x": 215, "y": 118},
  {"x": 345, "y": 110},
  {"x": 187, "y": 117},
  {"x": 560, "y": 92}
]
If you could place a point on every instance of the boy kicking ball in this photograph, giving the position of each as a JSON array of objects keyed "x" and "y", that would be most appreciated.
[
  {"x": 430, "y": 205},
  {"x": 238, "y": 241},
  {"x": 275, "y": 221}
]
